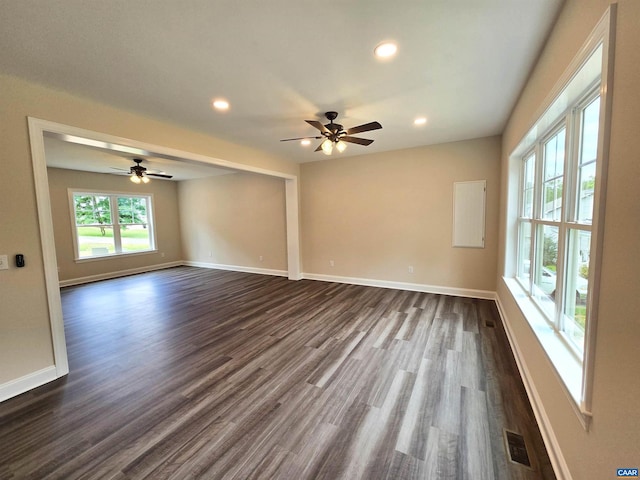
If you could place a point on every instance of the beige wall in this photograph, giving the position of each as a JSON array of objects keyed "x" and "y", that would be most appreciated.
[
  {"x": 167, "y": 226},
  {"x": 25, "y": 336},
  {"x": 376, "y": 215},
  {"x": 234, "y": 220},
  {"x": 614, "y": 437}
]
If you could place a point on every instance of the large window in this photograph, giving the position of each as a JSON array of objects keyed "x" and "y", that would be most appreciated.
[
  {"x": 557, "y": 178},
  {"x": 555, "y": 224},
  {"x": 108, "y": 224}
]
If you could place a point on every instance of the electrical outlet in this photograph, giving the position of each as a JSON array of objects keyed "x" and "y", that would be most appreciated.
[
  {"x": 162, "y": 254},
  {"x": 410, "y": 268},
  {"x": 261, "y": 258},
  {"x": 4, "y": 264},
  {"x": 331, "y": 263}
]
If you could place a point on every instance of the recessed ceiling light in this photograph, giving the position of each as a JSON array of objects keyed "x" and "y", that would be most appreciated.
[
  {"x": 386, "y": 50},
  {"x": 220, "y": 104},
  {"x": 420, "y": 121},
  {"x": 305, "y": 142}
]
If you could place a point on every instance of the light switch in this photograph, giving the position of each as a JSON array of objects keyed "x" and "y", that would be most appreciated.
[{"x": 4, "y": 265}]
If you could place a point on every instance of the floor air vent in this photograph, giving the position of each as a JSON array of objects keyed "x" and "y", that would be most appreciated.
[{"x": 517, "y": 448}]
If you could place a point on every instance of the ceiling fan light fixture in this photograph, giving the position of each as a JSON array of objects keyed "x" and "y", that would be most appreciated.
[
  {"x": 139, "y": 173},
  {"x": 335, "y": 135},
  {"x": 327, "y": 147}
]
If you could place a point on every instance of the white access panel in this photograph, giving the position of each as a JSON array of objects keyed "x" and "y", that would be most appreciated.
[{"x": 469, "y": 199}]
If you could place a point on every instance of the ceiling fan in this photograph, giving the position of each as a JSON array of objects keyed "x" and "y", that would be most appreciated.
[
  {"x": 335, "y": 135},
  {"x": 139, "y": 174}
]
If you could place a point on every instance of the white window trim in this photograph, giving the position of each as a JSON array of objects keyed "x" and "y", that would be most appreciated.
[
  {"x": 554, "y": 346},
  {"x": 151, "y": 224},
  {"x": 563, "y": 225}
]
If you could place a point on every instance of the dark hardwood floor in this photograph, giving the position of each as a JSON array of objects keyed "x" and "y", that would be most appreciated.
[{"x": 190, "y": 373}]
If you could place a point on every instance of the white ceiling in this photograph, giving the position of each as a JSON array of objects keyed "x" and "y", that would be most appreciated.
[
  {"x": 460, "y": 63},
  {"x": 117, "y": 160}
]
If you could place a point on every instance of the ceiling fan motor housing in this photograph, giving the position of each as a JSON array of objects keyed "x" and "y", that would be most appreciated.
[
  {"x": 137, "y": 168},
  {"x": 335, "y": 128},
  {"x": 331, "y": 116}
]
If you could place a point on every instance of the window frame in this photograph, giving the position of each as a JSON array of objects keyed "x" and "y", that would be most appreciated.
[
  {"x": 571, "y": 122},
  {"x": 115, "y": 224},
  {"x": 585, "y": 70}
]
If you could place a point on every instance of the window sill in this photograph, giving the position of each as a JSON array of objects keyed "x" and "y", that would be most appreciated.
[
  {"x": 114, "y": 255},
  {"x": 568, "y": 368}
]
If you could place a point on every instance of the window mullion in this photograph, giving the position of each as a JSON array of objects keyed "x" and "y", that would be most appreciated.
[
  {"x": 538, "y": 182},
  {"x": 113, "y": 200},
  {"x": 572, "y": 166},
  {"x": 537, "y": 200},
  {"x": 149, "y": 222},
  {"x": 565, "y": 214},
  {"x": 560, "y": 272}
]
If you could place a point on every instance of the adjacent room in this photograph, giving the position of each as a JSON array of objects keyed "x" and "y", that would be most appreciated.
[{"x": 290, "y": 240}]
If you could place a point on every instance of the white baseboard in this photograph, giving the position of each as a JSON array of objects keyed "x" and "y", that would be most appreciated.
[
  {"x": 238, "y": 268},
  {"x": 28, "y": 382},
  {"x": 558, "y": 461},
  {"x": 413, "y": 287},
  {"x": 119, "y": 273}
]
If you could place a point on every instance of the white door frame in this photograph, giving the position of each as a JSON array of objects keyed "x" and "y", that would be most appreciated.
[{"x": 37, "y": 130}]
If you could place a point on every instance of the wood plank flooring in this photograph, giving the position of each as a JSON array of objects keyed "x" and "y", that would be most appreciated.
[{"x": 191, "y": 373}]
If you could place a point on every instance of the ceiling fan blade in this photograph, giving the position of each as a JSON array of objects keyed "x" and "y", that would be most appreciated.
[
  {"x": 120, "y": 169},
  {"x": 359, "y": 141},
  {"x": 319, "y": 147},
  {"x": 161, "y": 175},
  {"x": 300, "y": 138},
  {"x": 364, "y": 128},
  {"x": 318, "y": 125}
]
